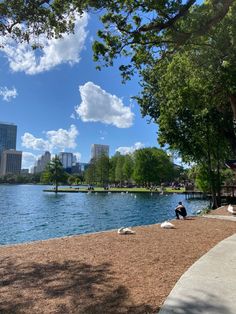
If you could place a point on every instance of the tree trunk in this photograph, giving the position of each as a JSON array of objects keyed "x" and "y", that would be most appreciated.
[
  {"x": 56, "y": 188},
  {"x": 232, "y": 99}
]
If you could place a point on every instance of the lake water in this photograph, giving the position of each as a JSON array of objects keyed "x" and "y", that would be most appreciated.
[{"x": 27, "y": 213}]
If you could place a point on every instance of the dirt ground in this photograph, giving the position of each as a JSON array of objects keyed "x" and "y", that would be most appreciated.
[{"x": 105, "y": 272}]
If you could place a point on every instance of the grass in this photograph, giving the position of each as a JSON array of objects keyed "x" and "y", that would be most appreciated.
[{"x": 116, "y": 190}]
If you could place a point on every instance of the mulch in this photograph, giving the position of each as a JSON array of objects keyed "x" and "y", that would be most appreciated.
[{"x": 104, "y": 272}]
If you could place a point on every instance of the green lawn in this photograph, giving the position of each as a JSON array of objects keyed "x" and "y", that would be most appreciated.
[{"x": 117, "y": 190}]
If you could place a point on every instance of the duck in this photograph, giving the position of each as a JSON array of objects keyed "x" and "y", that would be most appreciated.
[{"x": 231, "y": 209}]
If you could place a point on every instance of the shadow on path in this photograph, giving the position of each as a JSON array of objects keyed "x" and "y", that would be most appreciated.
[{"x": 67, "y": 287}]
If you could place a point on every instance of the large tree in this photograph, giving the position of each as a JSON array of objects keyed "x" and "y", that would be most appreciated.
[
  {"x": 135, "y": 25},
  {"x": 152, "y": 166}
]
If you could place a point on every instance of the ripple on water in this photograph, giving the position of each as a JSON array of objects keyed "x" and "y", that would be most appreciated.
[{"x": 28, "y": 214}]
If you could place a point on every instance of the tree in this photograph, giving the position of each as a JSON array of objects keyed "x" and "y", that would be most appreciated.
[
  {"x": 128, "y": 167},
  {"x": 112, "y": 171},
  {"x": 130, "y": 27},
  {"x": 54, "y": 172},
  {"x": 152, "y": 166},
  {"x": 119, "y": 171},
  {"x": 147, "y": 31},
  {"x": 102, "y": 170},
  {"x": 90, "y": 173},
  {"x": 191, "y": 106}
]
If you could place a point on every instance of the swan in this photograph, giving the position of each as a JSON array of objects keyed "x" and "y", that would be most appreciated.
[
  {"x": 167, "y": 225},
  {"x": 124, "y": 230},
  {"x": 231, "y": 209}
]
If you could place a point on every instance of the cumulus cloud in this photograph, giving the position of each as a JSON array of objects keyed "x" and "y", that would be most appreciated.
[
  {"x": 28, "y": 160},
  {"x": 8, "y": 94},
  {"x": 129, "y": 150},
  {"x": 21, "y": 57},
  {"x": 99, "y": 106},
  {"x": 59, "y": 139}
]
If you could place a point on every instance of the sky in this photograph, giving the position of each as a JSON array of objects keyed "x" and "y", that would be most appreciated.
[{"x": 60, "y": 102}]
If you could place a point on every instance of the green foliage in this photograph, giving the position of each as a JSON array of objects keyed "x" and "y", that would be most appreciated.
[
  {"x": 90, "y": 174},
  {"x": 152, "y": 166},
  {"x": 55, "y": 173},
  {"x": 20, "y": 178},
  {"x": 119, "y": 170},
  {"x": 202, "y": 179},
  {"x": 102, "y": 170},
  {"x": 75, "y": 179},
  {"x": 145, "y": 166},
  {"x": 128, "y": 168}
]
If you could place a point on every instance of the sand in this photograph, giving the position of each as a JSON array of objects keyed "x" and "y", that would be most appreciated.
[{"x": 104, "y": 272}]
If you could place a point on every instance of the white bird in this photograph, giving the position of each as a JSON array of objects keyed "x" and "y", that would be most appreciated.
[
  {"x": 124, "y": 230},
  {"x": 167, "y": 225},
  {"x": 231, "y": 209}
]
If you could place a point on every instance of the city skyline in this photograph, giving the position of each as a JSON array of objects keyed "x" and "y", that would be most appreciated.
[{"x": 60, "y": 102}]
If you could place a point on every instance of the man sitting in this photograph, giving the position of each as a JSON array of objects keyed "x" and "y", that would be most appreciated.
[{"x": 180, "y": 210}]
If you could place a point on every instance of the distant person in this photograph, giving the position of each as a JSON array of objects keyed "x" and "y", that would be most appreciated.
[{"x": 180, "y": 210}]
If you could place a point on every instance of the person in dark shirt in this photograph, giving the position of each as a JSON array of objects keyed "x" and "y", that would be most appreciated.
[{"x": 180, "y": 210}]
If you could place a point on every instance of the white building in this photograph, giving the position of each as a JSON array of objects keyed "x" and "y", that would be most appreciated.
[
  {"x": 97, "y": 150},
  {"x": 42, "y": 162}
]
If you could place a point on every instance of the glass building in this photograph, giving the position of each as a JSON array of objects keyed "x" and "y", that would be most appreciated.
[{"x": 7, "y": 136}]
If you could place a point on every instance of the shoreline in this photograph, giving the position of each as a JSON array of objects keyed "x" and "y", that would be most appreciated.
[
  {"x": 104, "y": 272},
  {"x": 91, "y": 233}
]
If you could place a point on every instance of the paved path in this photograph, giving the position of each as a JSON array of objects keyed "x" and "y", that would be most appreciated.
[
  {"x": 224, "y": 217},
  {"x": 209, "y": 285}
]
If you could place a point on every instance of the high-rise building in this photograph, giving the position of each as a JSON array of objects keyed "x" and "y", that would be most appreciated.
[
  {"x": 11, "y": 162},
  {"x": 42, "y": 162},
  {"x": 7, "y": 137},
  {"x": 97, "y": 150},
  {"x": 66, "y": 160}
]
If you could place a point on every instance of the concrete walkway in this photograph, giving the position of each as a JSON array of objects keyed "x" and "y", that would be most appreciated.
[
  {"x": 209, "y": 285},
  {"x": 223, "y": 217}
]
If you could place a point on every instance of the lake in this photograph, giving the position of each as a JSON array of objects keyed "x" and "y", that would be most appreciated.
[{"x": 28, "y": 214}]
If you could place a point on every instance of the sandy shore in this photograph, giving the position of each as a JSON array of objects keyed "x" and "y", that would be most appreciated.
[{"x": 104, "y": 272}]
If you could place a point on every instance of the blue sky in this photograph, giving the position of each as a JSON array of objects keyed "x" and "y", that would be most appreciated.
[{"x": 60, "y": 102}]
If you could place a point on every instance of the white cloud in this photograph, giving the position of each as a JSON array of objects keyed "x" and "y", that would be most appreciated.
[
  {"x": 59, "y": 139},
  {"x": 7, "y": 94},
  {"x": 22, "y": 57},
  {"x": 28, "y": 160},
  {"x": 99, "y": 106},
  {"x": 129, "y": 150}
]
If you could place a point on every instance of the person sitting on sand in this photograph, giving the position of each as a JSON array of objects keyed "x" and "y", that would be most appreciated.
[{"x": 180, "y": 210}]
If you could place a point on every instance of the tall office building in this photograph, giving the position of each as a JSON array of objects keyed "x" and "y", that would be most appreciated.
[
  {"x": 66, "y": 160},
  {"x": 97, "y": 150},
  {"x": 11, "y": 162},
  {"x": 7, "y": 137}
]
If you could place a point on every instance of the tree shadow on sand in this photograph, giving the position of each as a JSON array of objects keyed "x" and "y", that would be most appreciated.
[{"x": 67, "y": 287}]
